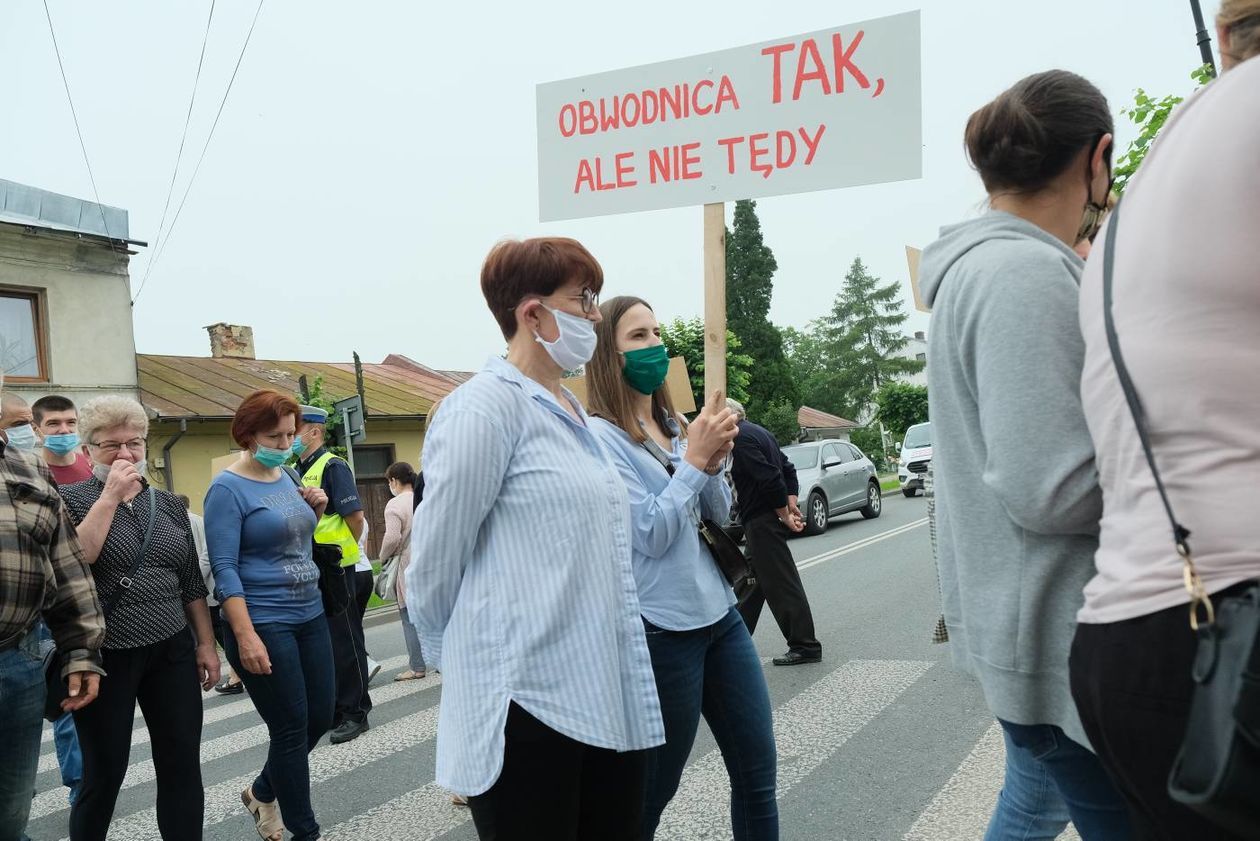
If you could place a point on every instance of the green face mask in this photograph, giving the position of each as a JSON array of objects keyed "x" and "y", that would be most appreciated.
[{"x": 645, "y": 368}]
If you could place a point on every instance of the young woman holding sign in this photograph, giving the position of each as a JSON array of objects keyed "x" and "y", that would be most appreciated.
[{"x": 702, "y": 654}]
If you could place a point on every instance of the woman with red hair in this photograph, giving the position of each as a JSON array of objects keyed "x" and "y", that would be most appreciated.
[{"x": 259, "y": 526}]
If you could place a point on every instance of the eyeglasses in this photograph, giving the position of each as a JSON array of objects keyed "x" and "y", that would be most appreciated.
[
  {"x": 589, "y": 299},
  {"x": 135, "y": 445}
]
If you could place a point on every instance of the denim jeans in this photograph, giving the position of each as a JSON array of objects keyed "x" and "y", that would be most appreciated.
[
  {"x": 66, "y": 739},
  {"x": 296, "y": 702},
  {"x": 22, "y": 700},
  {"x": 415, "y": 657},
  {"x": 714, "y": 671},
  {"x": 1050, "y": 780}
]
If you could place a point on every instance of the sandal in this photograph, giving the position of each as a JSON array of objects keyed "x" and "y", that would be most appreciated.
[
  {"x": 409, "y": 675},
  {"x": 266, "y": 816},
  {"x": 458, "y": 800}
]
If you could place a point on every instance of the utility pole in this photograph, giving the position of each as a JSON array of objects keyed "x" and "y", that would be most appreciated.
[{"x": 1204, "y": 40}]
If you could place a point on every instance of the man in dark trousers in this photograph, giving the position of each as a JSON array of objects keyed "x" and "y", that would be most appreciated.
[
  {"x": 341, "y": 525},
  {"x": 766, "y": 487}
]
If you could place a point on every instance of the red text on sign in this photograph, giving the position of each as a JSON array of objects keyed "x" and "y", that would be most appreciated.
[
  {"x": 674, "y": 162},
  {"x": 810, "y": 68},
  {"x": 765, "y": 156},
  {"x": 647, "y": 107}
]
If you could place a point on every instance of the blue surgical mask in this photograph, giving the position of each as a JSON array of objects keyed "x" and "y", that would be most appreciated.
[
  {"x": 299, "y": 446},
  {"x": 21, "y": 437},
  {"x": 62, "y": 443},
  {"x": 270, "y": 456}
]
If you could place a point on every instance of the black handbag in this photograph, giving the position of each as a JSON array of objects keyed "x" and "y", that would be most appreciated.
[
  {"x": 57, "y": 691},
  {"x": 726, "y": 553},
  {"x": 1217, "y": 769},
  {"x": 333, "y": 589}
]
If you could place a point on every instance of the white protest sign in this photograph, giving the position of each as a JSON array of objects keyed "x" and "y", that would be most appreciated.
[{"x": 834, "y": 108}]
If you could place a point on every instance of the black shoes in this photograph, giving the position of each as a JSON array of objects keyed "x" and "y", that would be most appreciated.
[
  {"x": 797, "y": 658},
  {"x": 229, "y": 688},
  {"x": 348, "y": 731}
]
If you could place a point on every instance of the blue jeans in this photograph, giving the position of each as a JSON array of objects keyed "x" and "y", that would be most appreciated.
[
  {"x": 1050, "y": 780},
  {"x": 22, "y": 700},
  {"x": 714, "y": 671},
  {"x": 296, "y": 702},
  {"x": 66, "y": 739},
  {"x": 415, "y": 657}
]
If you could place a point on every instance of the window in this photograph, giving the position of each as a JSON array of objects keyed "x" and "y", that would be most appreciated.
[
  {"x": 372, "y": 460},
  {"x": 22, "y": 339},
  {"x": 857, "y": 454},
  {"x": 922, "y": 357}
]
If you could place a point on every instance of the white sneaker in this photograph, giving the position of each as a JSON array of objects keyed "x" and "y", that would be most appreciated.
[{"x": 374, "y": 669}]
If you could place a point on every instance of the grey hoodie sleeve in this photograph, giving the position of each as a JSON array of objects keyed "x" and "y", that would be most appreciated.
[{"x": 1028, "y": 357}]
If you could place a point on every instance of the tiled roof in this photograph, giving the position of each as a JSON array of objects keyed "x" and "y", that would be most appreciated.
[
  {"x": 814, "y": 419},
  {"x": 202, "y": 387}
]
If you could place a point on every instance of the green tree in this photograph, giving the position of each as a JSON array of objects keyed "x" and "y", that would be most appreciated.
[
  {"x": 750, "y": 268},
  {"x": 868, "y": 440},
  {"x": 901, "y": 406},
  {"x": 1149, "y": 115},
  {"x": 821, "y": 386},
  {"x": 685, "y": 338},
  {"x": 780, "y": 421},
  {"x": 858, "y": 342}
]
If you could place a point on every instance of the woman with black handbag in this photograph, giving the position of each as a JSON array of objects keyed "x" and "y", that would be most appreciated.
[
  {"x": 1169, "y": 312},
  {"x": 702, "y": 654},
  {"x": 259, "y": 527}
]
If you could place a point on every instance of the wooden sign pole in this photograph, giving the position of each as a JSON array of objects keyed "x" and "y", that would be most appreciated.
[{"x": 714, "y": 299}]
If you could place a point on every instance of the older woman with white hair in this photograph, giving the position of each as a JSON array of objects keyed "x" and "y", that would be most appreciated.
[{"x": 158, "y": 644}]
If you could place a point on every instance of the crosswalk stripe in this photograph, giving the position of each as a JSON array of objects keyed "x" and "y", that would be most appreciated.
[
  {"x": 420, "y": 815},
  {"x": 212, "y": 715},
  {"x": 960, "y": 810},
  {"x": 142, "y": 772},
  {"x": 327, "y": 762},
  {"x": 807, "y": 729}
]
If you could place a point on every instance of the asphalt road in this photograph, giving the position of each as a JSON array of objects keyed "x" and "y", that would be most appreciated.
[{"x": 882, "y": 740}]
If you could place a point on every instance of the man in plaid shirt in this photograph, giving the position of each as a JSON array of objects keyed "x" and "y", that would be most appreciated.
[{"x": 42, "y": 572}]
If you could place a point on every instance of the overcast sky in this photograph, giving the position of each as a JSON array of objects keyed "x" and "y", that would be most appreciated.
[{"x": 370, "y": 153}]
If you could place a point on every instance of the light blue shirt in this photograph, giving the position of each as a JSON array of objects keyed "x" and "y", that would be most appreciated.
[
  {"x": 680, "y": 585},
  {"x": 521, "y": 584}
]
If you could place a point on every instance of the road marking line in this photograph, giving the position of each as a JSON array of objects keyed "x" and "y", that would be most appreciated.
[
  {"x": 808, "y": 729},
  {"x": 212, "y": 715},
  {"x": 960, "y": 811},
  {"x": 142, "y": 772},
  {"x": 860, "y": 544}
]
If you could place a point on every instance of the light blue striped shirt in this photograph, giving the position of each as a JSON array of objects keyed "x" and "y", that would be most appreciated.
[
  {"x": 680, "y": 585},
  {"x": 521, "y": 585}
]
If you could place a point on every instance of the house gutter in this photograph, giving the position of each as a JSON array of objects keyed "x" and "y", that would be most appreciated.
[{"x": 167, "y": 469}]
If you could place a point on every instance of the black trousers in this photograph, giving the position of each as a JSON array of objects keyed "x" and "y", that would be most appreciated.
[
  {"x": 1132, "y": 687},
  {"x": 216, "y": 623},
  {"x": 163, "y": 678},
  {"x": 349, "y": 654},
  {"x": 778, "y": 583},
  {"x": 553, "y": 788}
]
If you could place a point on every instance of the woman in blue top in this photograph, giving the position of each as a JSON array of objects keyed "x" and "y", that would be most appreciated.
[
  {"x": 702, "y": 654},
  {"x": 259, "y": 527}
]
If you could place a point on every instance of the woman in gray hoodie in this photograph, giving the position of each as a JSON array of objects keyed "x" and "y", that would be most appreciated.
[{"x": 1018, "y": 501}]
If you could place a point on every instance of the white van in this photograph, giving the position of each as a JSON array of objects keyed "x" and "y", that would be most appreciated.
[{"x": 916, "y": 452}]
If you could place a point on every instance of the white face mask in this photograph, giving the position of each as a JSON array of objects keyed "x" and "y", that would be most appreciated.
[
  {"x": 21, "y": 437},
  {"x": 575, "y": 345}
]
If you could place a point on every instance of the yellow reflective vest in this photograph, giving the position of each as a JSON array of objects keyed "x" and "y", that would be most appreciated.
[{"x": 332, "y": 528}]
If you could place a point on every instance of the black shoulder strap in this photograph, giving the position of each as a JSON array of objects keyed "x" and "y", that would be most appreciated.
[
  {"x": 1181, "y": 534},
  {"x": 659, "y": 454},
  {"x": 293, "y": 474},
  {"x": 124, "y": 583}
]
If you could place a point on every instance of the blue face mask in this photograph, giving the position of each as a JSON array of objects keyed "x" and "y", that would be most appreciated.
[
  {"x": 65, "y": 442},
  {"x": 299, "y": 446},
  {"x": 21, "y": 437},
  {"x": 270, "y": 456}
]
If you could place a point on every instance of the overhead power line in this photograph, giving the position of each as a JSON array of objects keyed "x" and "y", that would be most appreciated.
[
  {"x": 180, "y": 154},
  {"x": 179, "y": 210},
  {"x": 77, "y": 129}
]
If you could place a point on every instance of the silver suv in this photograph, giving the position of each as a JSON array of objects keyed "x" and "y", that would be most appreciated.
[{"x": 835, "y": 478}]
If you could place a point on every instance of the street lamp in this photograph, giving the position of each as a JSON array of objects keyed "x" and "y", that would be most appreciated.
[{"x": 1205, "y": 40}]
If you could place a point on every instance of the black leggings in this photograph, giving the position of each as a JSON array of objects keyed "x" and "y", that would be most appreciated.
[
  {"x": 163, "y": 678},
  {"x": 553, "y": 788}
]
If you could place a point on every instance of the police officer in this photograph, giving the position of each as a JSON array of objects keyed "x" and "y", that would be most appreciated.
[{"x": 342, "y": 525}]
